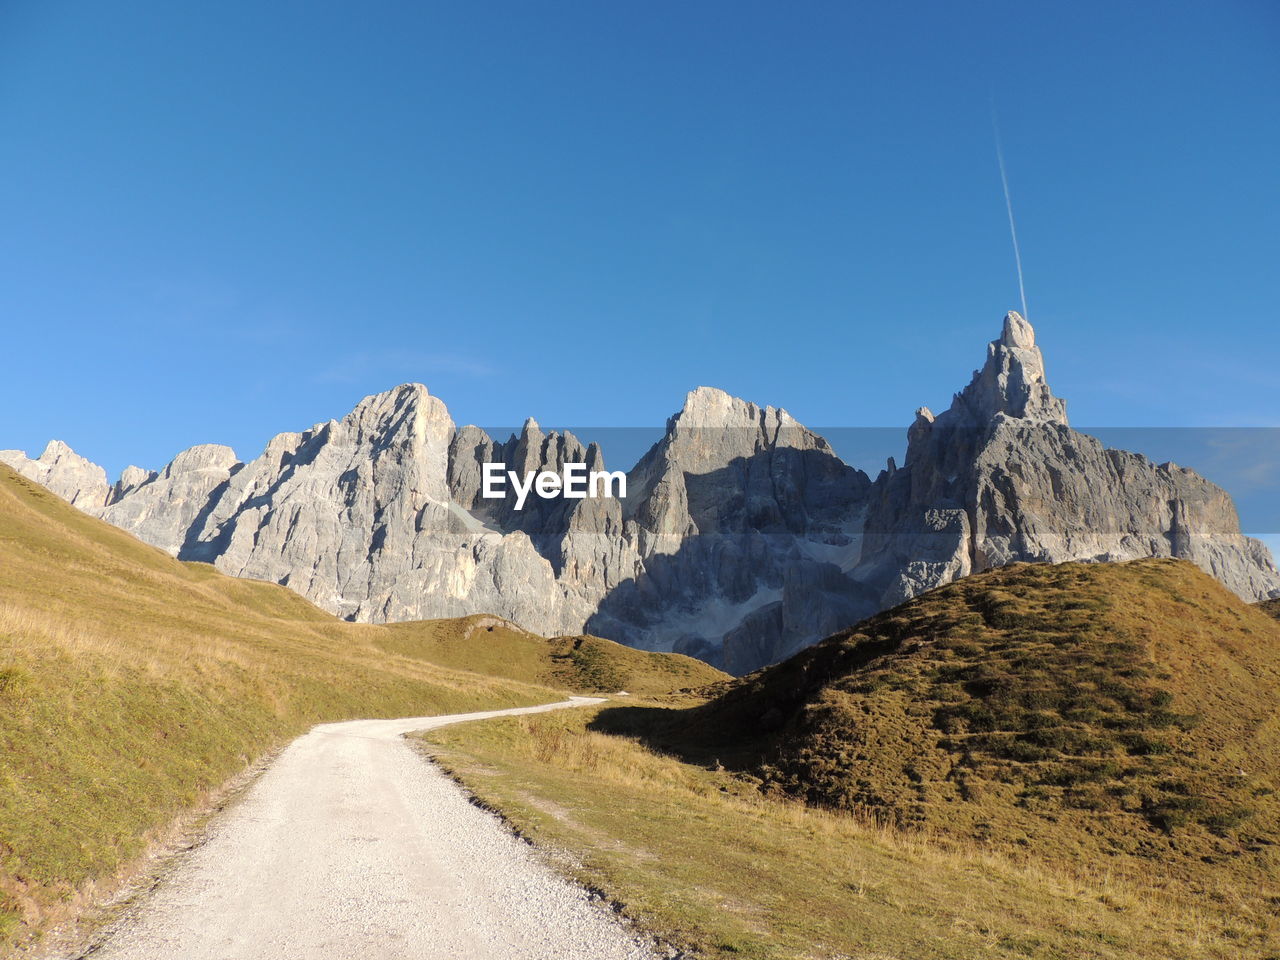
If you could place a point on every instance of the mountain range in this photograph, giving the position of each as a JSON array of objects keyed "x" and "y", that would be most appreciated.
[{"x": 742, "y": 539}]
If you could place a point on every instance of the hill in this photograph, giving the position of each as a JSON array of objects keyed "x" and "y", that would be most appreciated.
[
  {"x": 1271, "y": 608},
  {"x": 585, "y": 664},
  {"x": 132, "y": 685},
  {"x": 1130, "y": 706},
  {"x": 1074, "y": 710}
]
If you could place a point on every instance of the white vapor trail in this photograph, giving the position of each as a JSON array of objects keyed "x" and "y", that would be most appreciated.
[{"x": 1008, "y": 204}]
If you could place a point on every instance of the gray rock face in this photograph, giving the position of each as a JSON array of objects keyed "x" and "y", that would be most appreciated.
[
  {"x": 163, "y": 508},
  {"x": 357, "y": 515},
  {"x": 78, "y": 481},
  {"x": 1000, "y": 477},
  {"x": 742, "y": 538},
  {"x": 131, "y": 478},
  {"x": 1012, "y": 382},
  {"x": 739, "y": 515}
]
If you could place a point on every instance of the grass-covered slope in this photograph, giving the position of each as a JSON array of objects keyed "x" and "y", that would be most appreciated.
[
  {"x": 1271, "y": 608},
  {"x": 1076, "y": 709},
  {"x": 585, "y": 664},
  {"x": 706, "y": 861},
  {"x": 132, "y": 684}
]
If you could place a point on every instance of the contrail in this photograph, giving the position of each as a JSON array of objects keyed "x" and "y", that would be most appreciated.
[{"x": 1008, "y": 204}]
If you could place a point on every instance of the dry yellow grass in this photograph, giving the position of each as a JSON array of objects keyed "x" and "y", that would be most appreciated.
[
  {"x": 589, "y": 664},
  {"x": 1125, "y": 712},
  {"x": 704, "y": 860}
]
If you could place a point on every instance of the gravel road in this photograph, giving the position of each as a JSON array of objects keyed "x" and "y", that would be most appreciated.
[{"x": 351, "y": 846}]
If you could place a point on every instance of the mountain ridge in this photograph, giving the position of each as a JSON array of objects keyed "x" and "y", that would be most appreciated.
[{"x": 743, "y": 537}]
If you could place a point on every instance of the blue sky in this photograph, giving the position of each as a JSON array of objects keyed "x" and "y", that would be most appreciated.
[{"x": 226, "y": 220}]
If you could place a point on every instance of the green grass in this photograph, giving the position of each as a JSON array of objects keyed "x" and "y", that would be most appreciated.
[
  {"x": 133, "y": 685},
  {"x": 703, "y": 860}
]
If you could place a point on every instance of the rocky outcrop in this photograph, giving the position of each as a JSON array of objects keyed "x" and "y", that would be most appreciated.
[
  {"x": 165, "y": 508},
  {"x": 742, "y": 538},
  {"x": 1001, "y": 477},
  {"x": 358, "y": 516},
  {"x": 131, "y": 478},
  {"x": 737, "y": 510},
  {"x": 80, "y": 482}
]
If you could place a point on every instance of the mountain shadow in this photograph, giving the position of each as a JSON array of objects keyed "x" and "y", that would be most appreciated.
[{"x": 760, "y": 551}]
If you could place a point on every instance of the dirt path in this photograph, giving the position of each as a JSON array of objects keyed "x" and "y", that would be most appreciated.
[{"x": 351, "y": 847}]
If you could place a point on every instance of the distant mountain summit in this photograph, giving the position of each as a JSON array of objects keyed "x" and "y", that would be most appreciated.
[
  {"x": 1000, "y": 477},
  {"x": 742, "y": 539}
]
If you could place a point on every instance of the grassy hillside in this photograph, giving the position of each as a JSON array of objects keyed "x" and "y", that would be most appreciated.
[
  {"x": 585, "y": 664},
  {"x": 1079, "y": 710},
  {"x": 1040, "y": 761},
  {"x": 132, "y": 684},
  {"x": 1271, "y": 608}
]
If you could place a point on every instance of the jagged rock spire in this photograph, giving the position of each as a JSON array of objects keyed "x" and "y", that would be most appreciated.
[{"x": 1012, "y": 381}]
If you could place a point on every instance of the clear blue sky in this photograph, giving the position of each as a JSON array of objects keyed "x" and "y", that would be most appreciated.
[{"x": 225, "y": 220}]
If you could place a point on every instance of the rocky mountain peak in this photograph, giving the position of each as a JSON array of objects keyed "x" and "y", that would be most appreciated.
[
  {"x": 1012, "y": 381},
  {"x": 395, "y": 441},
  {"x": 1018, "y": 332},
  {"x": 1000, "y": 477},
  {"x": 714, "y": 427},
  {"x": 56, "y": 450},
  {"x": 709, "y": 406},
  {"x": 131, "y": 478},
  {"x": 405, "y": 413},
  {"x": 66, "y": 473},
  {"x": 205, "y": 456}
]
